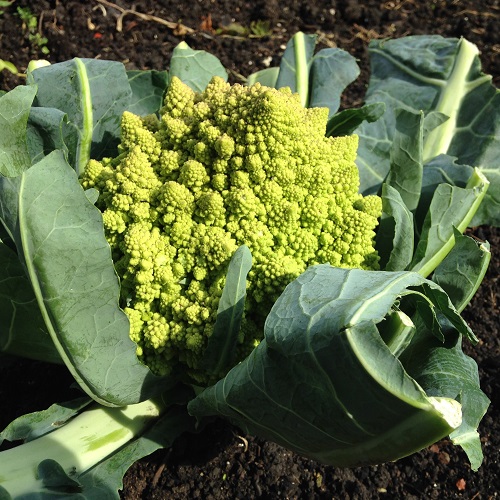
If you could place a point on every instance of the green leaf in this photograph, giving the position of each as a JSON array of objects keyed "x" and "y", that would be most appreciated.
[
  {"x": 22, "y": 328},
  {"x": 148, "y": 89},
  {"x": 195, "y": 67},
  {"x": 444, "y": 370},
  {"x": 395, "y": 238},
  {"x": 59, "y": 234},
  {"x": 33, "y": 425},
  {"x": 220, "y": 351},
  {"x": 332, "y": 70},
  {"x": 433, "y": 120},
  {"x": 442, "y": 169},
  {"x": 442, "y": 304},
  {"x": 406, "y": 167},
  {"x": 14, "y": 111},
  {"x": 451, "y": 207},
  {"x": 92, "y": 195},
  {"x": 7, "y": 64},
  {"x": 319, "y": 79},
  {"x": 323, "y": 382},
  {"x": 434, "y": 75},
  {"x": 93, "y": 105},
  {"x": 345, "y": 122},
  {"x": 463, "y": 269},
  {"x": 267, "y": 77},
  {"x": 55, "y": 479},
  {"x": 4, "y": 236},
  {"x": 46, "y": 132}
]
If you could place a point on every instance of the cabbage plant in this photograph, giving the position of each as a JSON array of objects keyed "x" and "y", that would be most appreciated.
[{"x": 355, "y": 367}]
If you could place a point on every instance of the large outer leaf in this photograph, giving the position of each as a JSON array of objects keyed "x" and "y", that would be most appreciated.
[
  {"x": 348, "y": 120},
  {"x": 434, "y": 74},
  {"x": 103, "y": 481},
  {"x": 59, "y": 235},
  {"x": 266, "y": 76},
  {"x": 84, "y": 449},
  {"x": 93, "y": 94},
  {"x": 323, "y": 382},
  {"x": 442, "y": 170}
]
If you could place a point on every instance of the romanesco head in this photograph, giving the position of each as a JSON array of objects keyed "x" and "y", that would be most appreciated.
[{"x": 229, "y": 166}]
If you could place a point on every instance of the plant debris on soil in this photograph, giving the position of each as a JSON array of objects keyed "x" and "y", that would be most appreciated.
[{"x": 220, "y": 462}]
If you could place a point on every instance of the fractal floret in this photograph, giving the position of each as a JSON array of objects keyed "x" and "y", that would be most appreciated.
[{"x": 229, "y": 166}]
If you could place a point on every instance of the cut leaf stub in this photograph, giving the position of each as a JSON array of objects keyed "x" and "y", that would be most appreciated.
[{"x": 450, "y": 409}]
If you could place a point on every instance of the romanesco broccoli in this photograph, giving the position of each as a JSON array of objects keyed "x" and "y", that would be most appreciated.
[{"x": 228, "y": 166}]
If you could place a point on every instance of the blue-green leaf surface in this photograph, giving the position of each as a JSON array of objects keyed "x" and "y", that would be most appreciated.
[
  {"x": 395, "y": 238},
  {"x": 406, "y": 164},
  {"x": 347, "y": 121},
  {"x": 451, "y": 207},
  {"x": 55, "y": 479},
  {"x": 195, "y": 67},
  {"x": 14, "y": 111},
  {"x": 434, "y": 75},
  {"x": 323, "y": 382},
  {"x": 463, "y": 269},
  {"x": 441, "y": 170},
  {"x": 33, "y": 425},
  {"x": 295, "y": 65},
  {"x": 46, "y": 132},
  {"x": 22, "y": 328},
  {"x": 319, "y": 78},
  {"x": 60, "y": 237},
  {"x": 221, "y": 349},
  {"x": 148, "y": 89},
  {"x": 93, "y": 93},
  {"x": 267, "y": 77},
  {"x": 332, "y": 70},
  {"x": 444, "y": 370}
]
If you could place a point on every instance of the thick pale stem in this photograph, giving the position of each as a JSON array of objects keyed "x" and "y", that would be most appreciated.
[
  {"x": 77, "y": 446},
  {"x": 301, "y": 68},
  {"x": 450, "y": 100},
  {"x": 83, "y": 154}
]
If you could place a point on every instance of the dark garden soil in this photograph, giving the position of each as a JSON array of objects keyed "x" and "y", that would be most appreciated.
[{"x": 246, "y": 36}]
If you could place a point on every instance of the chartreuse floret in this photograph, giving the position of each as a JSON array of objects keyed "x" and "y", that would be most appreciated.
[{"x": 229, "y": 166}]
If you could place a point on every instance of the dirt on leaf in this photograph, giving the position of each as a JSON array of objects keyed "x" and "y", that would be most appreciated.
[{"x": 221, "y": 462}]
